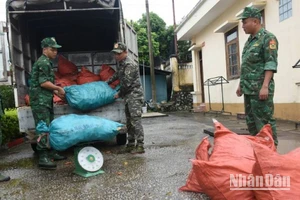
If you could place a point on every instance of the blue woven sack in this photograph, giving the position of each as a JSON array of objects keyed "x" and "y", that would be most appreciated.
[
  {"x": 89, "y": 96},
  {"x": 69, "y": 130}
]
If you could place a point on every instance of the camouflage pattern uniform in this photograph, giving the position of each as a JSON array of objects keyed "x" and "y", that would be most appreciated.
[
  {"x": 41, "y": 101},
  {"x": 259, "y": 55},
  {"x": 132, "y": 92}
]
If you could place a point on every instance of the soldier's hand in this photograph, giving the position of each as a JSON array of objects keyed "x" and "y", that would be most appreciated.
[
  {"x": 55, "y": 92},
  {"x": 61, "y": 92},
  {"x": 116, "y": 96},
  {"x": 239, "y": 92},
  {"x": 264, "y": 93}
]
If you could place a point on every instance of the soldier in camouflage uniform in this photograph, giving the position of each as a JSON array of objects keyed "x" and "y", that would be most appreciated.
[
  {"x": 41, "y": 99},
  {"x": 259, "y": 63},
  {"x": 2, "y": 177},
  {"x": 132, "y": 93}
]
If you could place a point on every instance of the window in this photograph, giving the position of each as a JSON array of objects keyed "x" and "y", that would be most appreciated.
[
  {"x": 285, "y": 9},
  {"x": 263, "y": 23},
  {"x": 232, "y": 54}
]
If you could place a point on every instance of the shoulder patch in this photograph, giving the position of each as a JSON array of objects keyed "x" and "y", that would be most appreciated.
[{"x": 272, "y": 44}]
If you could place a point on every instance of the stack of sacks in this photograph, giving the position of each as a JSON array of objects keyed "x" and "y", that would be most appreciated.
[
  {"x": 86, "y": 76},
  {"x": 235, "y": 156},
  {"x": 69, "y": 130},
  {"x": 89, "y": 96},
  {"x": 105, "y": 74},
  {"x": 66, "y": 75}
]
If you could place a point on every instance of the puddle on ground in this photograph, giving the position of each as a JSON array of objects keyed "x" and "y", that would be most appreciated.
[{"x": 285, "y": 146}]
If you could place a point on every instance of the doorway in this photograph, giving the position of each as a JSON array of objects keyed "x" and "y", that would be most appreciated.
[{"x": 201, "y": 76}]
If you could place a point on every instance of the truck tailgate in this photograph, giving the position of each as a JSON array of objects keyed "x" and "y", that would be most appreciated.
[{"x": 114, "y": 112}]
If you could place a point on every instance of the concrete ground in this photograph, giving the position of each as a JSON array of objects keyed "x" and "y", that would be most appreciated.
[{"x": 169, "y": 141}]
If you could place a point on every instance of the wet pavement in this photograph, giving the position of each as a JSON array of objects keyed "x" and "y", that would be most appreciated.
[{"x": 169, "y": 141}]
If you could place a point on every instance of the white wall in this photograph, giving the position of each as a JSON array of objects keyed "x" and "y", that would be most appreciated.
[{"x": 288, "y": 34}]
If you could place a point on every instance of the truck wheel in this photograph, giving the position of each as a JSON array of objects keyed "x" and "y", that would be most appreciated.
[
  {"x": 33, "y": 146},
  {"x": 121, "y": 139}
]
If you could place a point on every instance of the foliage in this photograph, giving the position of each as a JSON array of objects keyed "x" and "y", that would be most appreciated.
[
  {"x": 158, "y": 26},
  {"x": 10, "y": 126},
  {"x": 7, "y": 93},
  {"x": 184, "y": 56},
  {"x": 162, "y": 40},
  {"x": 143, "y": 43}
]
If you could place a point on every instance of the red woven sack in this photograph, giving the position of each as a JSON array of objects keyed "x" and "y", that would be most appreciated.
[
  {"x": 192, "y": 184},
  {"x": 232, "y": 154},
  {"x": 66, "y": 67},
  {"x": 281, "y": 172},
  {"x": 86, "y": 76},
  {"x": 106, "y": 72}
]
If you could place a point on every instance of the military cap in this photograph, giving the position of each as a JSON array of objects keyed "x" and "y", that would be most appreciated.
[
  {"x": 49, "y": 42},
  {"x": 250, "y": 12},
  {"x": 119, "y": 47}
]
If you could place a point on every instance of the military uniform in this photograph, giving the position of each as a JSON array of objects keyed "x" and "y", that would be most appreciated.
[
  {"x": 2, "y": 177},
  {"x": 41, "y": 99},
  {"x": 41, "y": 102},
  {"x": 259, "y": 55},
  {"x": 132, "y": 92}
]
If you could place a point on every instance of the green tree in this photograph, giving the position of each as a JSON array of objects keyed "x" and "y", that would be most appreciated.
[
  {"x": 184, "y": 55},
  {"x": 143, "y": 43},
  {"x": 162, "y": 40},
  {"x": 158, "y": 26}
]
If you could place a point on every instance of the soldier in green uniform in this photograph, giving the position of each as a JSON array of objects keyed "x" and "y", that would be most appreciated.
[
  {"x": 2, "y": 177},
  {"x": 132, "y": 92},
  {"x": 259, "y": 63},
  {"x": 41, "y": 99}
]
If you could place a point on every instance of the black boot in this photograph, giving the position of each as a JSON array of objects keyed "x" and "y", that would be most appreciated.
[
  {"x": 45, "y": 162},
  {"x": 4, "y": 178},
  {"x": 55, "y": 156}
]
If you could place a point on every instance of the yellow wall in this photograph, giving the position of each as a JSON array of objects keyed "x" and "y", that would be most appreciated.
[
  {"x": 285, "y": 111},
  {"x": 186, "y": 74}
]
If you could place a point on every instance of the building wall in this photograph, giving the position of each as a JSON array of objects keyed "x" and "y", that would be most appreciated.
[
  {"x": 287, "y": 93},
  {"x": 161, "y": 87},
  {"x": 185, "y": 74}
]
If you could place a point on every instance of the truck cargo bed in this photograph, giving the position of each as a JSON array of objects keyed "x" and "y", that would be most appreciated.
[{"x": 114, "y": 112}]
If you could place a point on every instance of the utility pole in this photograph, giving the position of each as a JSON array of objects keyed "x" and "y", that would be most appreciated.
[
  {"x": 175, "y": 35},
  {"x": 152, "y": 72}
]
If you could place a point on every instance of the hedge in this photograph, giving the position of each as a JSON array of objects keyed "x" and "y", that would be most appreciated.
[
  {"x": 10, "y": 126},
  {"x": 7, "y": 93}
]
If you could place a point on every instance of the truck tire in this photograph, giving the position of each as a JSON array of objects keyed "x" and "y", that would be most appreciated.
[
  {"x": 121, "y": 139},
  {"x": 33, "y": 146}
]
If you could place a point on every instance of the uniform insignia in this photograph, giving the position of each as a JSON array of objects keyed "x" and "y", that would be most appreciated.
[
  {"x": 256, "y": 45},
  {"x": 272, "y": 44},
  {"x": 116, "y": 46}
]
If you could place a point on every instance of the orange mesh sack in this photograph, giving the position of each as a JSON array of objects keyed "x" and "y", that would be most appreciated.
[
  {"x": 63, "y": 81},
  {"x": 192, "y": 184},
  {"x": 232, "y": 157},
  {"x": 281, "y": 173},
  {"x": 57, "y": 75},
  {"x": 106, "y": 72},
  {"x": 66, "y": 67},
  {"x": 264, "y": 137},
  {"x": 86, "y": 76},
  {"x": 27, "y": 100}
]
